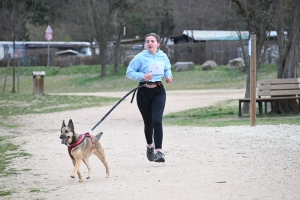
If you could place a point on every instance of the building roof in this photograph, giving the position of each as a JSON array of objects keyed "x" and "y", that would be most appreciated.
[
  {"x": 204, "y": 35},
  {"x": 67, "y": 52},
  {"x": 39, "y": 44},
  {"x": 215, "y": 35},
  {"x": 129, "y": 41}
]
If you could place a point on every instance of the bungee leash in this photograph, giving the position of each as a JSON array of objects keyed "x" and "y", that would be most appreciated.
[{"x": 133, "y": 90}]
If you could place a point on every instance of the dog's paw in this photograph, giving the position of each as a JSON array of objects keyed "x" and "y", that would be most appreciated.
[
  {"x": 88, "y": 177},
  {"x": 80, "y": 181},
  {"x": 72, "y": 176}
]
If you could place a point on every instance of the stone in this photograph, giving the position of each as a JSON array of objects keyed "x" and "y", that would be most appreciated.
[
  {"x": 209, "y": 64},
  {"x": 183, "y": 66},
  {"x": 236, "y": 63}
]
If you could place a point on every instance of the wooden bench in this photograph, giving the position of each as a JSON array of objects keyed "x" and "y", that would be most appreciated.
[{"x": 271, "y": 90}]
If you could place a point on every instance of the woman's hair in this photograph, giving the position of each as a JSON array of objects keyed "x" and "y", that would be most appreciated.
[{"x": 154, "y": 35}]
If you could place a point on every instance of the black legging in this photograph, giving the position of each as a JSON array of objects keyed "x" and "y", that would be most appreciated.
[{"x": 151, "y": 103}]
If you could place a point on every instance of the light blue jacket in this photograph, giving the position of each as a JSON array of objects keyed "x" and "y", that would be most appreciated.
[{"x": 139, "y": 66}]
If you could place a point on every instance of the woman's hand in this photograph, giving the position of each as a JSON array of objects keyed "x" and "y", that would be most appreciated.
[
  {"x": 169, "y": 80},
  {"x": 148, "y": 77}
]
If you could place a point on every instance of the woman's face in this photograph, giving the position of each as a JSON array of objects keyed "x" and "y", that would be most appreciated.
[{"x": 152, "y": 44}]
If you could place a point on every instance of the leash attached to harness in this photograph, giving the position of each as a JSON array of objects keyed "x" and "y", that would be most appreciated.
[
  {"x": 133, "y": 90},
  {"x": 79, "y": 141}
]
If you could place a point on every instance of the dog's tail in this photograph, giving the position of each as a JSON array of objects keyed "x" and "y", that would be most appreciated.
[{"x": 99, "y": 135}]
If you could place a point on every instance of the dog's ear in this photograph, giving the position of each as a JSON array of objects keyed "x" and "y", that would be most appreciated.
[
  {"x": 71, "y": 125},
  {"x": 63, "y": 125}
]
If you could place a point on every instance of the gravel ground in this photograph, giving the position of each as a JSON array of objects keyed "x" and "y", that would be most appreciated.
[{"x": 238, "y": 162}]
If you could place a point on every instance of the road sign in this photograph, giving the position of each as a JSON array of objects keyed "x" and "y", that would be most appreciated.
[
  {"x": 49, "y": 29},
  {"x": 49, "y": 33},
  {"x": 48, "y": 36}
]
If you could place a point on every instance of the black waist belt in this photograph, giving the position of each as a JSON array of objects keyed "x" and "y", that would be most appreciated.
[{"x": 150, "y": 83}]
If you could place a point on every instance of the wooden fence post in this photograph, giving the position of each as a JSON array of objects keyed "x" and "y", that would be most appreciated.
[{"x": 38, "y": 83}]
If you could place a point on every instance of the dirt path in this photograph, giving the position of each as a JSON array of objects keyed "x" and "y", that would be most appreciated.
[{"x": 245, "y": 162}]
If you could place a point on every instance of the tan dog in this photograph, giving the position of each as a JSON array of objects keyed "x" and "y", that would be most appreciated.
[{"x": 81, "y": 147}]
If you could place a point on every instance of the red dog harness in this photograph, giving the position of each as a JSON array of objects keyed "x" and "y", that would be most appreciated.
[{"x": 79, "y": 141}]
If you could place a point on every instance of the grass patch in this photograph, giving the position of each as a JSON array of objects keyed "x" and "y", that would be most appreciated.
[
  {"x": 5, "y": 124},
  {"x": 8, "y": 151},
  {"x": 12, "y": 104},
  {"x": 34, "y": 190},
  {"x": 81, "y": 78},
  {"x": 5, "y": 193},
  {"x": 87, "y": 79},
  {"x": 26, "y": 170},
  {"x": 84, "y": 78},
  {"x": 225, "y": 114}
]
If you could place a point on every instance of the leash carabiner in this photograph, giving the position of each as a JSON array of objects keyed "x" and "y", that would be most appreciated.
[{"x": 133, "y": 90}]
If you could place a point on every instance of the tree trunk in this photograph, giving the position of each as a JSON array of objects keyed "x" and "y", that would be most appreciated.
[
  {"x": 103, "y": 52},
  {"x": 14, "y": 77},
  {"x": 6, "y": 73},
  {"x": 288, "y": 57},
  {"x": 256, "y": 16},
  {"x": 246, "y": 107},
  {"x": 117, "y": 49},
  {"x": 14, "y": 68},
  {"x": 121, "y": 21}
]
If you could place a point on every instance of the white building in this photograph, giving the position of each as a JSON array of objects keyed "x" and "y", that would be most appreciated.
[{"x": 6, "y": 47}]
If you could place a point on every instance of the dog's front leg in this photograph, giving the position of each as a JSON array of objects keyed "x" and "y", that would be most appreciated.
[
  {"x": 76, "y": 163},
  {"x": 86, "y": 162}
]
